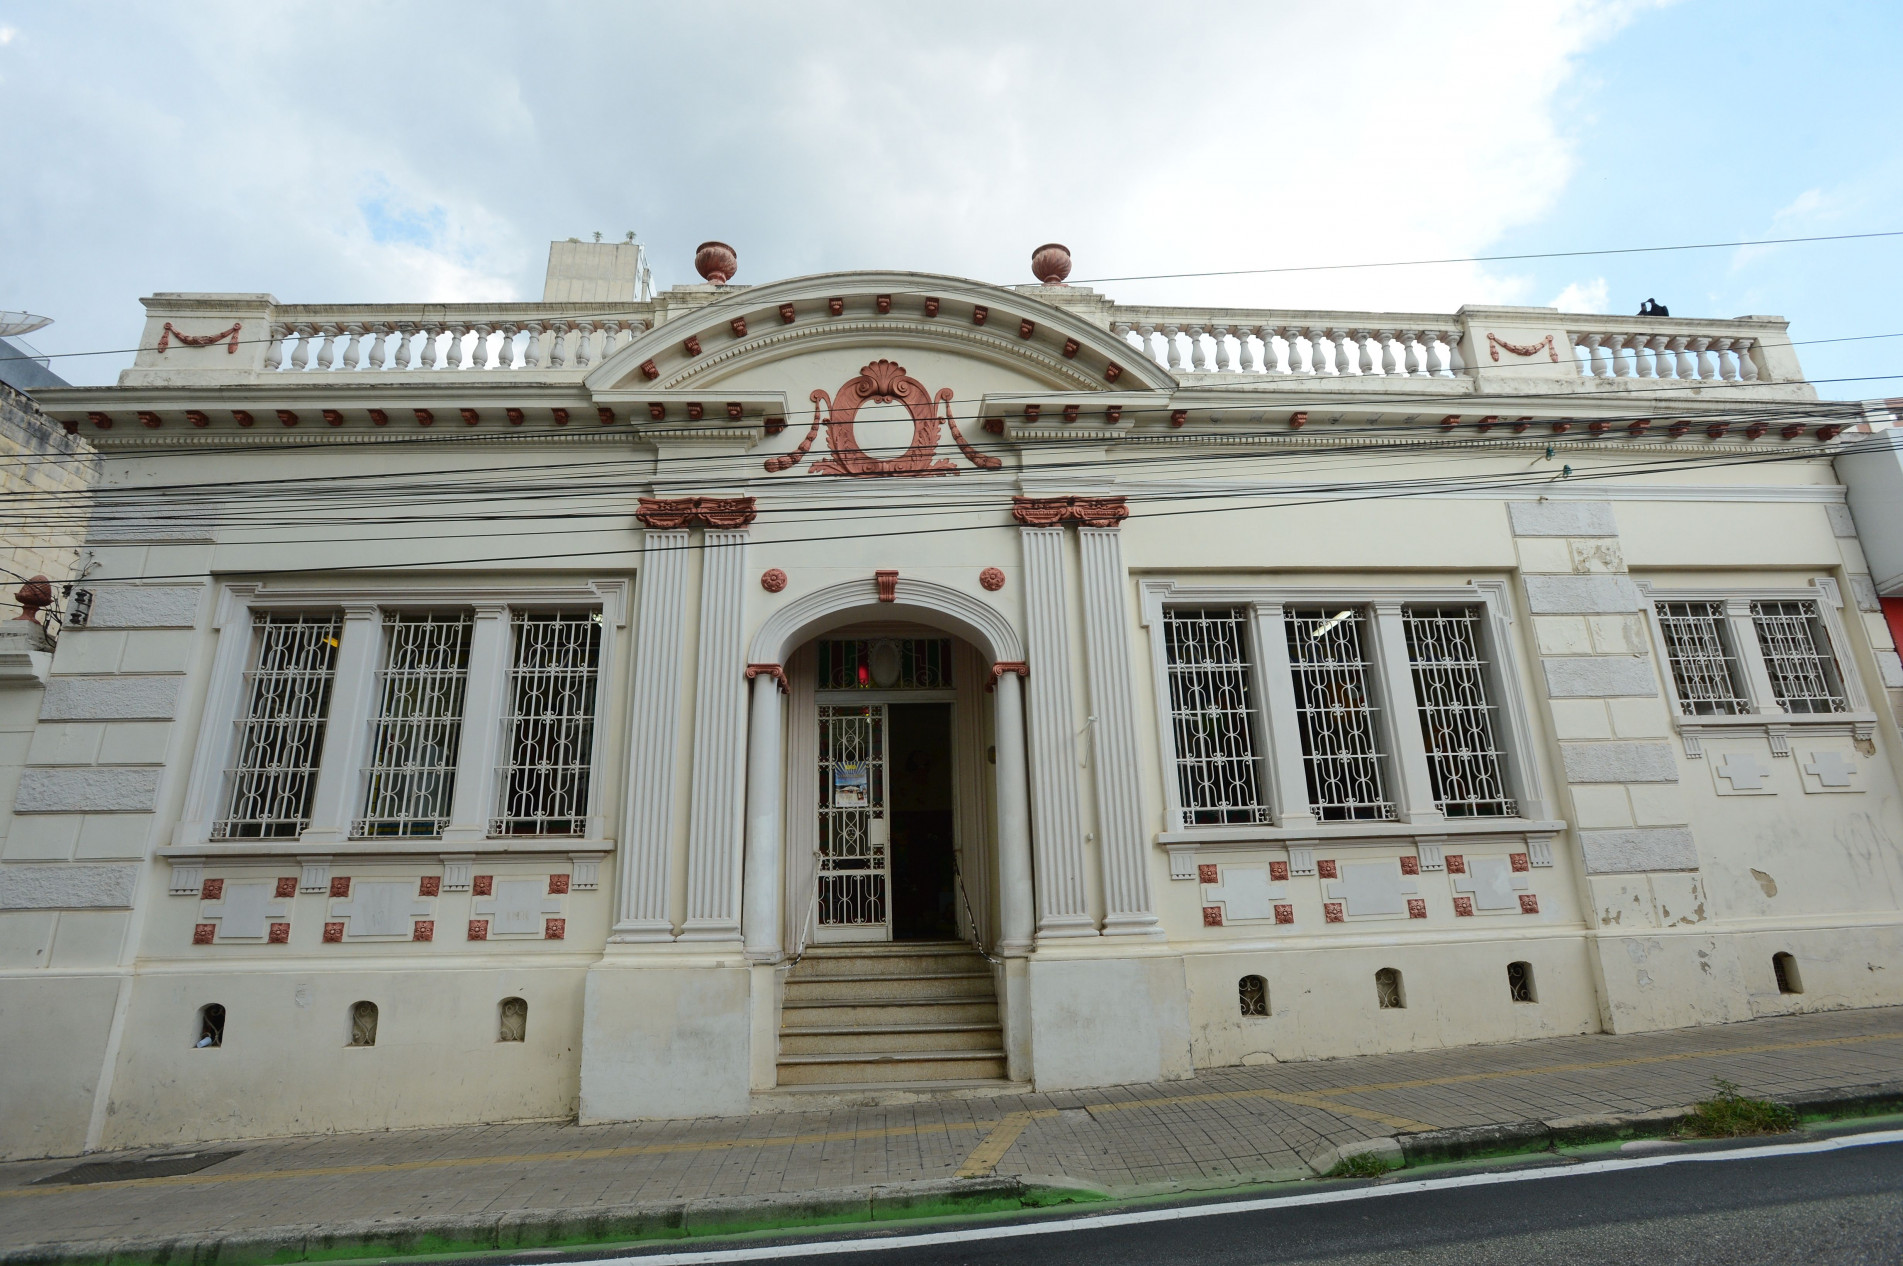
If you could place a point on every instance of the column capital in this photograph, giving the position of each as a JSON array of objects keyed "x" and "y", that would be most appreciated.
[
  {"x": 774, "y": 671},
  {"x": 1097, "y": 512},
  {"x": 690, "y": 512},
  {"x": 1003, "y": 666}
]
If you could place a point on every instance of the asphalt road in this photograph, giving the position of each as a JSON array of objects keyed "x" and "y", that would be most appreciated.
[{"x": 1842, "y": 1206}]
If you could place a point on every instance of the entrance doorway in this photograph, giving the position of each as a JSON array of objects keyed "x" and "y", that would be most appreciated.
[{"x": 888, "y": 793}]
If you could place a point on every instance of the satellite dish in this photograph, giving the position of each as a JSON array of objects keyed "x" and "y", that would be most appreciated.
[{"x": 15, "y": 323}]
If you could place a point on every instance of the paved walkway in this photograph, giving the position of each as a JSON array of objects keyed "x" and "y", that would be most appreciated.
[{"x": 1225, "y": 1127}]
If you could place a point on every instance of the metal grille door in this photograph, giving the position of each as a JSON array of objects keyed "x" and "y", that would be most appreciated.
[
  {"x": 550, "y": 732},
  {"x": 1703, "y": 669},
  {"x": 1450, "y": 687},
  {"x": 1340, "y": 748},
  {"x": 1208, "y": 659},
  {"x": 282, "y": 736},
  {"x": 412, "y": 774},
  {"x": 1803, "y": 675},
  {"x": 855, "y": 873}
]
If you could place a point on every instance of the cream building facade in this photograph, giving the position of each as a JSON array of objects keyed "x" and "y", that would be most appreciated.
[{"x": 878, "y": 683}]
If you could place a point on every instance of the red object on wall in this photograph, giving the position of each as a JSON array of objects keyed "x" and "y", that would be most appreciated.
[
  {"x": 1893, "y": 616},
  {"x": 773, "y": 580},
  {"x": 483, "y": 886},
  {"x": 1456, "y": 864},
  {"x": 1212, "y": 916},
  {"x": 280, "y": 934},
  {"x": 1520, "y": 861},
  {"x": 992, "y": 579},
  {"x": 340, "y": 886},
  {"x": 287, "y": 887},
  {"x": 1416, "y": 908},
  {"x": 1206, "y": 873},
  {"x": 478, "y": 929},
  {"x": 333, "y": 933},
  {"x": 425, "y": 930},
  {"x": 1332, "y": 912},
  {"x": 1285, "y": 914},
  {"x": 1278, "y": 872},
  {"x": 554, "y": 929},
  {"x": 1464, "y": 907},
  {"x": 1410, "y": 865},
  {"x": 1529, "y": 903},
  {"x": 887, "y": 583},
  {"x": 557, "y": 884},
  {"x": 429, "y": 886},
  {"x": 214, "y": 890},
  {"x": 1327, "y": 869},
  {"x": 202, "y": 933}
]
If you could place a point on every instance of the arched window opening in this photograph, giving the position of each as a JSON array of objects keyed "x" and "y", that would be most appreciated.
[
  {"x": 1520, "y": 982},
  {"x": 515, "y": 1021},
  {"x": 1784, "y": 967},
  {"x": 1387, "y": 989},
  {"x": 211, "y": 1026},
  {"x": 1254, "y": 994},
  {"x": 363, "y": 1024}
]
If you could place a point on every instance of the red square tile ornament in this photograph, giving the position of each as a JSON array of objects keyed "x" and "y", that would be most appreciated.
[
  {"x": 1208, "y": 874},
  {"x": 333, "y": 933},
  {"x": 478, "y": 929},
  {"x": 1410, "y": 865},
  {"x": 340, "y": 885},
  {"x": 557, "y": 884},
  {"x": 214, "y": 890},
  {"x": 1464, "y": 907},
  {"x": 482, "y": 886},
  {"x": 425, "y": 930},
  {"x": 1327, "y": 869},
  {"x": 1521, "y": 861},
  {"x": 1285, "y": 914},
  {"x": 1212, "y": 916},
  {"x": 287, "y": 887},
  {"x": 1529, "y": 904},
  {"x": 554, "y": 929},
  {"x": 429, "y": 886},
  {"x": 1456, "y": 864},
  {"x": 1416, "y": 908},
  {"x": 1278, "y": 872},
  {"x": 203, "y": 933},
  {"x": 1332, "y": 912},
  {"x": 280, "y": 934}
]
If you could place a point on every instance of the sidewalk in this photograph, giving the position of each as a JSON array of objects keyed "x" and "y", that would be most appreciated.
[{"x": 522, "y": 1185}]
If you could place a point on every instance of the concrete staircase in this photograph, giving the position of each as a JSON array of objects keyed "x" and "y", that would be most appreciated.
[{"x": 890, "y": 1014}]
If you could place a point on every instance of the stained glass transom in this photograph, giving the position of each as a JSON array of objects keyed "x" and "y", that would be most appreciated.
[
  {"x": 1207, "y": 655},
  {"x": 885, "y": 663},
  {"x": 548, "y": 760},
  {"x": 281, "y": 738}
]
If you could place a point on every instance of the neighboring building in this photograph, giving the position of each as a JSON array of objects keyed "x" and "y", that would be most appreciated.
[
  {"x": 626, "y": 707},
  {"x": 45, "y": 476}
]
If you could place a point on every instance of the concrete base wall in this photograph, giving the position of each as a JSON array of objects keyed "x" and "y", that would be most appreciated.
[
  {"x": 666, "y": 1040},
  {"x": 1323, "y": 1004},
  {"x": 53, "y": 1033},
  {"x": 1108, "y": 1022},
  {"x": 286, "y": 1066}
]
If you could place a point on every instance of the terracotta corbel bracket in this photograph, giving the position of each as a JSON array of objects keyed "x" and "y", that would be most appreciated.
[{"x": 1097, "y": 512}]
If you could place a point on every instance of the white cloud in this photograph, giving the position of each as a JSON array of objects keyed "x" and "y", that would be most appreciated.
[
  {"x": 414, "y": 153},
  {"x": 1582, "y": 297}
]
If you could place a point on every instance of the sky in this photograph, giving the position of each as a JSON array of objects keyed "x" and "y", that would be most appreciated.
[{"x": 424, "y": 152}]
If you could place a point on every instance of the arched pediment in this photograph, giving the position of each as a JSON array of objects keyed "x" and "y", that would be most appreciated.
[
  {"x": 851, "y": 601},
  {"x": 886, "y": 312}
]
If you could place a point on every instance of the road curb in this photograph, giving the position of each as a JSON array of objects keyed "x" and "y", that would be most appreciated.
[{"x": 555, "y": 1228}]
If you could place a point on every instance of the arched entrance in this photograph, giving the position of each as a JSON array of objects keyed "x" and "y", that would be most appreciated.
[{"x": 894, "y": 791}]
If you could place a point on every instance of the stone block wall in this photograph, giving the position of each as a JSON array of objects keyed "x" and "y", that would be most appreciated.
[{"x": 48, "y": 473}]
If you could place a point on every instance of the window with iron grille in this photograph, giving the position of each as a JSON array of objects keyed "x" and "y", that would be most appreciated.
[
  {"x": 1804, "y": 674},
  {"x": 885, "y": 663},
  {"x": 1444, "y": 650},
  {"x": 1341, "y": 750},
  {"x": 1207, "y": 655},
  {"x": 281, "y": 738},
  {"x": 1709, "y": 679},
  {"x": 411, "y": 777},
  {"x": 550, "y": 726}
]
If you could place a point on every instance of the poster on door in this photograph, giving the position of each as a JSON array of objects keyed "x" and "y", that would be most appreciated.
[{"x": 849, "y": 785}]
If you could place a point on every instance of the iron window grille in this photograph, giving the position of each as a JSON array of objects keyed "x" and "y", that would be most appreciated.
[
  {"x": 885, "y": 663},
  {"x": 1217, "y": 772},
  {"x": 1458, "y": 725},
  {"x": 546, "y": 778},
  {"x": 1706, "y": 673},
  {"x": 411, "y": 779},
  {"x": 1341, "y": 748},
  {"x": 852, "y": 854},
  {"x": 281, "y": 738},
  {"x": 1797, "y": 656}
]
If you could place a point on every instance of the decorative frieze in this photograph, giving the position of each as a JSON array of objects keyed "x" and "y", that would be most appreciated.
[
  {"x": 674, "y": 514},
  {"x": 1099, "y": 512}
]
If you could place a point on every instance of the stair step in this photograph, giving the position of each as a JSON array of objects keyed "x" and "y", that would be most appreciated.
[
  {"x": 855, "y": 988},
  {"x": 797, "y": 1016},
  {"x": 889, "y": 1039},
  {"x": 886, "y": 1069},
  {"x": 889, "y": 965}
]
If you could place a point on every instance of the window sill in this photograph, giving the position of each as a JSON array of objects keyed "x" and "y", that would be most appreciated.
[
  {"x": 1775, "y": 728},
  {"x": 387, "y": 846},
  {"x": 1430, "y": 837}
]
